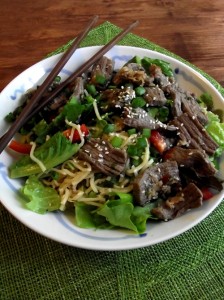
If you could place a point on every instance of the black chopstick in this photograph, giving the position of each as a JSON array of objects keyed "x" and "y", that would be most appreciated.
[
  {"x": 42, "y": 89},
  {"x": 81, "y": 69},
  {"x": 30, "y": 109}
]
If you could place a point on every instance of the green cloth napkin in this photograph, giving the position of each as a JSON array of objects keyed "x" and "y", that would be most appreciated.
[{"x": 190, "y": 266}]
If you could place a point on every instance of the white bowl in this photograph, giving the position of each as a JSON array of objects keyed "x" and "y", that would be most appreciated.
[{"x": 59, "y": 226}]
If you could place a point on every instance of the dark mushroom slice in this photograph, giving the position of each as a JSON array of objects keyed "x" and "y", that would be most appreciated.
[
  {"x": 155, "y": 181},
  {"x": 116, "y": 98},
  {"x": 132, "y": 73},
  {"x": 175, "y": 206},
  {"x": 103, "y": 157}
]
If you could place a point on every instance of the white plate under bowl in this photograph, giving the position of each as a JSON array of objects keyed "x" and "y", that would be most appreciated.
[{"x": 59, "y": 226}]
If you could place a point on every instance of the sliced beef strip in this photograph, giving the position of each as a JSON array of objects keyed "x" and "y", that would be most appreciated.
[
  {"x": 103, "y": 67},
  {"x": 154, "y": 96},
  {"x": 191, "y": 158},
  {"x": 139, "y": 118},
  {"x": 78, "y": 88},
  {"x": 159, "y": 78},
  {"x": 184, "y": 101},
  {"x": 193, "y": 135},
  {"x": 103, "y": 157},
  {"x": 53, "y": 108},
  {"x": 190, "y": 197},
  {"x": 116, "y": 98},
  {"x": 193, "y": 109},
  {"x": 132, "y": 73},
  {"x": 154, "y": 181}
]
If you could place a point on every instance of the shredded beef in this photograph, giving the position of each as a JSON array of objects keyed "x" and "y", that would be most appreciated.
[
  {"x": 184, "y": 101},
  {"x": 193, "y": 109},
  {"x": 158, "y": 77},
  {"x": 193, "y": 135},
  {"x": 190, "y": 197},
  {"x": 104, "y": 68},
  {"x": 78, "y": 88},
  {"x": 154, "y": 181},
  {"x": 154, "y": 96},
  {"x": 103, "y": 157},
  {"x": 191, "y": 158},
  {"x": 139, "y": 118}
]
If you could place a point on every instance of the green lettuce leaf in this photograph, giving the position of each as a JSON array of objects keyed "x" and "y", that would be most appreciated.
[
  {"x": 216, "y": 129},
  {"x": 52, "y": 153},
  {"x": 86, "y": 217},
  {"x": 114, "y": 213},
  {"x": 41, "y": 198}
]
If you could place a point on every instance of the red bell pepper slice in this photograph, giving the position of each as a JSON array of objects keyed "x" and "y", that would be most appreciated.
[
  {"x": 207, "y": 194},
  {"x": 158, "y": 141},
  {"x": 20, "y": 147},
  {"x": 76, "y": 136}
]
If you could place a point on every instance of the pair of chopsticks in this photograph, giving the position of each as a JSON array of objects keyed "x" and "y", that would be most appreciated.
[{"x": 34, "y": 105}]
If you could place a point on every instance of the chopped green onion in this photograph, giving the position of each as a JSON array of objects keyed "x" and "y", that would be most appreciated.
[
  {"x": 138, "y": 102},
  {"x": 146, "y": 132},
  {"x": 132, "y": 150},
  {"x": 109, "y": 128},
  {"x": 136, "y": 59},
  {"x": 91, "y": 89},
  {"x": 116, "y": 142},
  {"x": 131, "y": 131},
  {"x": 135, "y": 162},
  {"x": 141, "y": 142},
  {"x": 89, "y": 99},
  {"x": 140, "y": 90},
  {"x": 163, "y": 114},
  {"x": 57, "y": 79},
  {"x": 100, "y": 79},
  {"x": 153, "y": 111}
]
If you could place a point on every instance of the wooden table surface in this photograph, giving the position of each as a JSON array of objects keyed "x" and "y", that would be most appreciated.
[{"x": 190, "y": 28}]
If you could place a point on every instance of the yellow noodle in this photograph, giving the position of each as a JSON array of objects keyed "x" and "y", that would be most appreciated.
[
  {"x": 92, "y": 199},
  {"x": 73, "y": 181},
  {"x": 96, "y": 110},
  {"x": 36, "y": 160},
  {"x": 77, "y": 127},
  {"x": 64, "y": 199}
]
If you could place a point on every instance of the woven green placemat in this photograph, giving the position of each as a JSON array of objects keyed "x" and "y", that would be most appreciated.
[{"x": 190, "y": 266}]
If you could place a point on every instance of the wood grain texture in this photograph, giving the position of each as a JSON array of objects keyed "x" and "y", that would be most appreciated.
[{"x": 31, "y": 29}]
